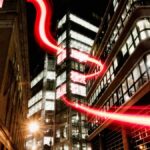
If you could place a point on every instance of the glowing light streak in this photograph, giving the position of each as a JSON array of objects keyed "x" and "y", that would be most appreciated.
[
  {"x": 45, "y": 40},
  {"x": 1, "y": 3},
  {"x": 42, "y": 26},
  {"x": 126, "y": 118}
]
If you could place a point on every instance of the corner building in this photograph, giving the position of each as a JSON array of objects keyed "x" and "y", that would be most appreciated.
[
  {"x": 14, "y": 74},
  {"x": 75, "y": 35},
  {"x": 123, "y": 44}
]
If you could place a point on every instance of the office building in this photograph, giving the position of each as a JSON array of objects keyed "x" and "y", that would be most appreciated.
[
  {"x": 14, "y": 74},
  {"x": 123, "y": 44},
  {"x": 75, "y": 36},
  {"x": 41, "y": 105}
]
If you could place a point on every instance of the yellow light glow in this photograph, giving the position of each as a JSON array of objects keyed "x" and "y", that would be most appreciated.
[{"x": 33, "y": 127}]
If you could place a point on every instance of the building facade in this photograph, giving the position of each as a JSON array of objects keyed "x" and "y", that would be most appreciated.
[
  {"x": 14, "y": 74},
  {"x": 41, "y": 105},
  {"x": 123, "y": 44},
  {"x": 75, "y": 36}
]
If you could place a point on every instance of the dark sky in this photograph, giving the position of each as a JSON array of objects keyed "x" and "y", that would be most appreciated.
[{"x": 88, "y": 9}]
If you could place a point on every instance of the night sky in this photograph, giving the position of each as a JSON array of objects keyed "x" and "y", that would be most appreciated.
[{"x": 91, "y": 10}]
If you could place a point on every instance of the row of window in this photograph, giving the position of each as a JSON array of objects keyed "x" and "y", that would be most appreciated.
[
  {"x": 75, "y": 45},
  {"x": 79, "y": 21},
  {"x": 139, "y": 75},
  {"x": 51, "y": 75},
  {"x": 121, "y": 23},
  {"x": 142, "y": 28}
]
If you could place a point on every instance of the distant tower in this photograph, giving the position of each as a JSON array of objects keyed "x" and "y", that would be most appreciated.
[{"x": 41, "y": 106}]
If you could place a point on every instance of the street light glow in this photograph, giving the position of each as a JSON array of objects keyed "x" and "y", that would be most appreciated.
[{"x": 33, "y": 127}]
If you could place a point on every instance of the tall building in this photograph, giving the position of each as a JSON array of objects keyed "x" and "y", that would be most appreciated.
[
  {"x": 123, "y": 44},
  {"x": 41, "y": 105},
  {"x": 14, "y": 74},
  {"x": 75, "y": 36}
]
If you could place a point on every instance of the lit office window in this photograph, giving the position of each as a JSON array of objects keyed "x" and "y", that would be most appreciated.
[
  {"x": 83, "y": 23},
  {"x": 148, "y": 60},
  {"x": 142, "y": 66},
  {"x": 35, "y": 99},
  {"x": 35, "y": 108},
  {"x": 51, "y": 75},
  {"x": 50, "y": 95},
  {"x": 77, "y": 77},
  {"x": 62, "y": 21},
  {"x": 115, "y": 63},
  {"x": 61, "y": 57},
  {"x": 37, "y": 79},
  {"x": 62, "y": 90},
  {"x": 115, "y": 4},
  {"x": 80, "y": 46},
  {"x": 61, "y": 78},
  {"x": 62, "y": 37},
  {"x": 82, "y": 38},
  {"x": 78, "y": 89},
  {"x": 58, "y": 133},
  {"x": 47, "y": 140},
  {"x": 49, "y": 105},
  {"x": 1, "y": 3},
  {"x": 136, "y": 73},
  {"x": 66, "y": 147}
]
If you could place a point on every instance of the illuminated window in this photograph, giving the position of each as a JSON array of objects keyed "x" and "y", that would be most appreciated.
[
  {"x": 47, "y": 140},
  {"x": 35, "y": 108},
  {"x": 1, "y": 3},
  {"x": 136, "y": 73},
  {"x": 51, "y": 75},
  {"x": 35, "y": 99},
  {"x": 83, "y": 23},
  {"x": 115, "y": 4},
  {"x": 57, "y": 133},
  {"x": 78, "y": 77},
  {"x": 37, "y": 79},
  {"x": 115, "y": 63},
  {"x": 49, "y": 105},
  {"x": 81, "y": 57},
  {"x": 50, "y": 95},
  {"x": 61, "y": 78},
  {"x": 62, "y": 21},
  {"x": 82, "y": 38},
  {"x": 78, "y": 89},
  {"x": 142, "y": 66},
  {"x": 61, "y": 57},
  {"x": 62, "y": 37},
  {"x": 80, "y": 46},
  {"x": 66, "y": 147},
  {"x": 148, "y": 60},
  {"x": 61, "y": 91}
]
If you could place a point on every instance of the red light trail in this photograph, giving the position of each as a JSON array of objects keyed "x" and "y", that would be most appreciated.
[
  {"x": 126, "y": 118},
  {"x": 48, "y": 43}
]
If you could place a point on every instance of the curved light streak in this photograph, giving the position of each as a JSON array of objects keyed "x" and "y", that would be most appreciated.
[
  {"x": 47, "y": 42},
  {"x": 126, "y": 118},
  {"x": 44, "y": 37}
]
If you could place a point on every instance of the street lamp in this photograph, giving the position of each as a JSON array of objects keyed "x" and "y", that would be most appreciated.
[{"x": 33, "y": 127}]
